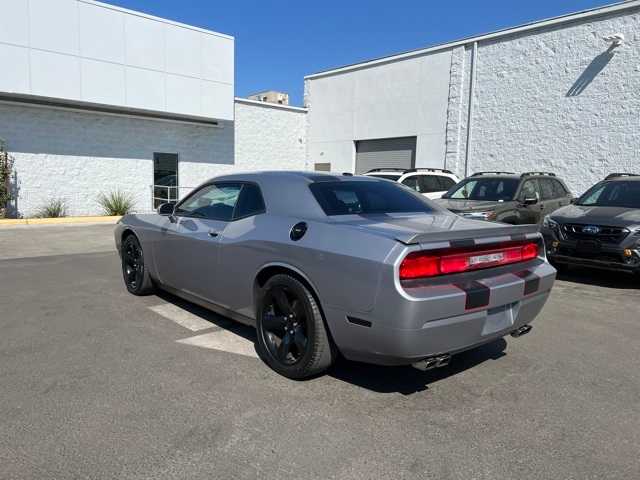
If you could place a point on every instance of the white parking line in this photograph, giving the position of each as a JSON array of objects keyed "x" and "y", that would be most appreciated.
[
  {"x": 182, "y": 317},
  {"x": 223, "y": 340}
]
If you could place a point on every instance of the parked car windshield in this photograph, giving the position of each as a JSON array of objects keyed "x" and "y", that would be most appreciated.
[
  {"x": 362, "y": 197},
  {"x": 488, "y": 189},
  {"x": 612, "y": 194}
]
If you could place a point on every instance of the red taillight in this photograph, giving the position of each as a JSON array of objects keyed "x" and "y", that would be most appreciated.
[
  {"x": 431, "y": 264},
  {"x": 530, "y": 251}
]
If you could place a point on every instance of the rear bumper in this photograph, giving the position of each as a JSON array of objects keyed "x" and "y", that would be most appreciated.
[{"x": 435, "y": 319}]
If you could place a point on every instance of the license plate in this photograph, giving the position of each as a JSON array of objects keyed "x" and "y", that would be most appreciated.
[
  {"x": 487, "y": 258},
  {"x": 588, "y": 246}
]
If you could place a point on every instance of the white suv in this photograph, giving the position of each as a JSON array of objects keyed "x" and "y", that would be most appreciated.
[{"x": 430, "y": 182}]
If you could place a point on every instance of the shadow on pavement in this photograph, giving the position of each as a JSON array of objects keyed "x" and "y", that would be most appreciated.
[
  {"x": 600, "y": 278},
  {"x": 405, "y": 380},
  {"x": 216, "y": 320},
  {"x": 408, "y": 380}
]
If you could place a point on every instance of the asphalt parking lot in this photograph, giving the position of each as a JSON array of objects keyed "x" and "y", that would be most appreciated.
[{"x": 96, "y": 383}]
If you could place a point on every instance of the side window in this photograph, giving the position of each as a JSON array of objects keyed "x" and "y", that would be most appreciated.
[
  {"x": 546, "y": 185},
  {"x": 529, "y": 189},
  {"x": 559, "y": 190},
  {"x": 250, "y": 202},
  {"x": 412, "y": 182},
  {"x": 445, "y": 183},
  {"x": 429, "y": 183},
  {"x": 213, "y": 202}
]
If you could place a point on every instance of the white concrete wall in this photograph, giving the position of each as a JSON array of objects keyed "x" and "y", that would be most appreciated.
[
  {"x": 269, "y": 137},
  {"x": 555, "y": 99},
  {"x": 86, "y": 51},
  {"x": 398, "y": 99},
  {"x": 547, "y": 98},
  {"x": 75, "y": 156}
]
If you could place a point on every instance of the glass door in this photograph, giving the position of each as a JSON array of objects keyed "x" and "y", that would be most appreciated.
[{"x": 165, "y": 178}]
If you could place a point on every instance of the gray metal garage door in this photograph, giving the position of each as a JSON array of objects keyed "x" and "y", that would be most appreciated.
[{"x": 385, "y": 153}]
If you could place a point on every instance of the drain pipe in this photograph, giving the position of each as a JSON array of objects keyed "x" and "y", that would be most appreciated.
[{"x": 472, "y": 87}]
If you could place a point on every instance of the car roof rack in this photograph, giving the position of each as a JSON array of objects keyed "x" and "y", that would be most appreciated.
[
  {"x": 477, "y": 174},
  {"x": 541, "y": 174},
  {"x": 387, "y": 170},
  {"x": 617, "y": 175},
  {"x": 429, "y": 169}
]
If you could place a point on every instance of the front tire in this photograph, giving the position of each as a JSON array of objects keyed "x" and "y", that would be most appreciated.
[
  {"x": 134, "y": 271},
  {"x": 292, "y": 337}
]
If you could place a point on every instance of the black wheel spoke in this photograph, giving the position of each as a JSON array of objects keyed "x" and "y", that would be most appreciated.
[
  {"x": 298, "y": 309},
  {"x": 281, "y": 300},
  {"x": 274, "y": 323},
  {"x": 284, "y": 348},
  {"x": 300, "y": 341}
]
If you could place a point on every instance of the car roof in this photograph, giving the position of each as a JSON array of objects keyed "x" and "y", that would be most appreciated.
[
  {"x": 410, "y": 171},
  {"x": 287, "y": 192},
  {"x": 291, "y": 175},
  {"x": 514, "y": 176},
  {"x": 623, "y": 178}
]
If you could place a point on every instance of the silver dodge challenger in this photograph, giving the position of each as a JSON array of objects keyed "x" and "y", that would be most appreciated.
[{"x": 326, "y": 264}]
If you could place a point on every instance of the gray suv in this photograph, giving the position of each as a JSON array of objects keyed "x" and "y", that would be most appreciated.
[
  {"x": 601, "y": 229},
  {"x": 507, "y": 197}
]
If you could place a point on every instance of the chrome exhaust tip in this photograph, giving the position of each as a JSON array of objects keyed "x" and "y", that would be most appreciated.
[
  {"x": 437, "y": 361},
  {"x": 523, "y": 330}
]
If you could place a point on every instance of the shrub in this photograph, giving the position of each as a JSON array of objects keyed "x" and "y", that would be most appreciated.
[
  {"x": 116, "y": 203},
  {"x": 54, "y": 209}
]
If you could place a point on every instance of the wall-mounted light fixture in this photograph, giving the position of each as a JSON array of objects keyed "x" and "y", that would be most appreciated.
[{"x": 615, "y": 40}]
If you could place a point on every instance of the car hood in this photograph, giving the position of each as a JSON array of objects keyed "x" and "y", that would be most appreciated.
[
  {"x": 609, "y": 216},
  {"x": 467, "y": 205},
  {"x": 428, "y": 228}
]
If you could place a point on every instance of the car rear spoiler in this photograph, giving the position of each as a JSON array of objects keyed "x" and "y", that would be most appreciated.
[{"x": 464, "y": 237}]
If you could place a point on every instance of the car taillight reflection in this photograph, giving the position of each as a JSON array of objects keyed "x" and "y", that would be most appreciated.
[{"x": 430, "y": 264}]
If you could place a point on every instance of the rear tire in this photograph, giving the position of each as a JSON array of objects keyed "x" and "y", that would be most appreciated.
[
  {"x": 292, "y": 337},
  {"x": 134, "y": 271}
]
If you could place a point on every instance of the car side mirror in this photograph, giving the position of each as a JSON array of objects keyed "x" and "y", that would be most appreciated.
[
  {"x": 573, "y": 200},
  {"x": 166, "y": 209},
  {"x": 530, "y": 200}
]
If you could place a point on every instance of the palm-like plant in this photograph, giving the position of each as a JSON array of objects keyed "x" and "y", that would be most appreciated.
[
  {"x": 56, "y": 208},
  {"x": 116, "y": 203}
]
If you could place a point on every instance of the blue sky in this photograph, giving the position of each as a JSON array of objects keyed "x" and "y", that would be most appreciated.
[{"x": 279, "y": 42}]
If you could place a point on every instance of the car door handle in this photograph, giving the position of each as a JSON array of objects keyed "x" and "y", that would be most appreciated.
[{"x": 213, "y": 233}]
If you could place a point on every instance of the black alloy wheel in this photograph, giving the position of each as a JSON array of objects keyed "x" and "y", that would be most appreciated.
[
  {"x": 285, "y": 325},
  {"x": 136, "y": 276},
  {"x": 292, "y": 338}
]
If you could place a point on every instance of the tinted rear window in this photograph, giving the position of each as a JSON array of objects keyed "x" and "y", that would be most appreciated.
[
  {"x": 250, "y": 201},
  {"x": 361, "y": 197}
]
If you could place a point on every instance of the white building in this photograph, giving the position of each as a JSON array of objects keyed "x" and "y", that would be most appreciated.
[
  {"x": 552, "y": 95},
  {"x": 95, "y": 98}
]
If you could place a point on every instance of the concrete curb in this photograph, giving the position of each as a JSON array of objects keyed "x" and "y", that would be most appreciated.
[{"x": 56, "y": 221}]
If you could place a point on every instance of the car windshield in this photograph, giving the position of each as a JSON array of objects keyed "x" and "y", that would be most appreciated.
[
  {"x": 367, "y": 197},
  {"x": 386, "y": 176},
  {"x": 488, "y": 189},
  {"x": 612, "y": 194}
]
